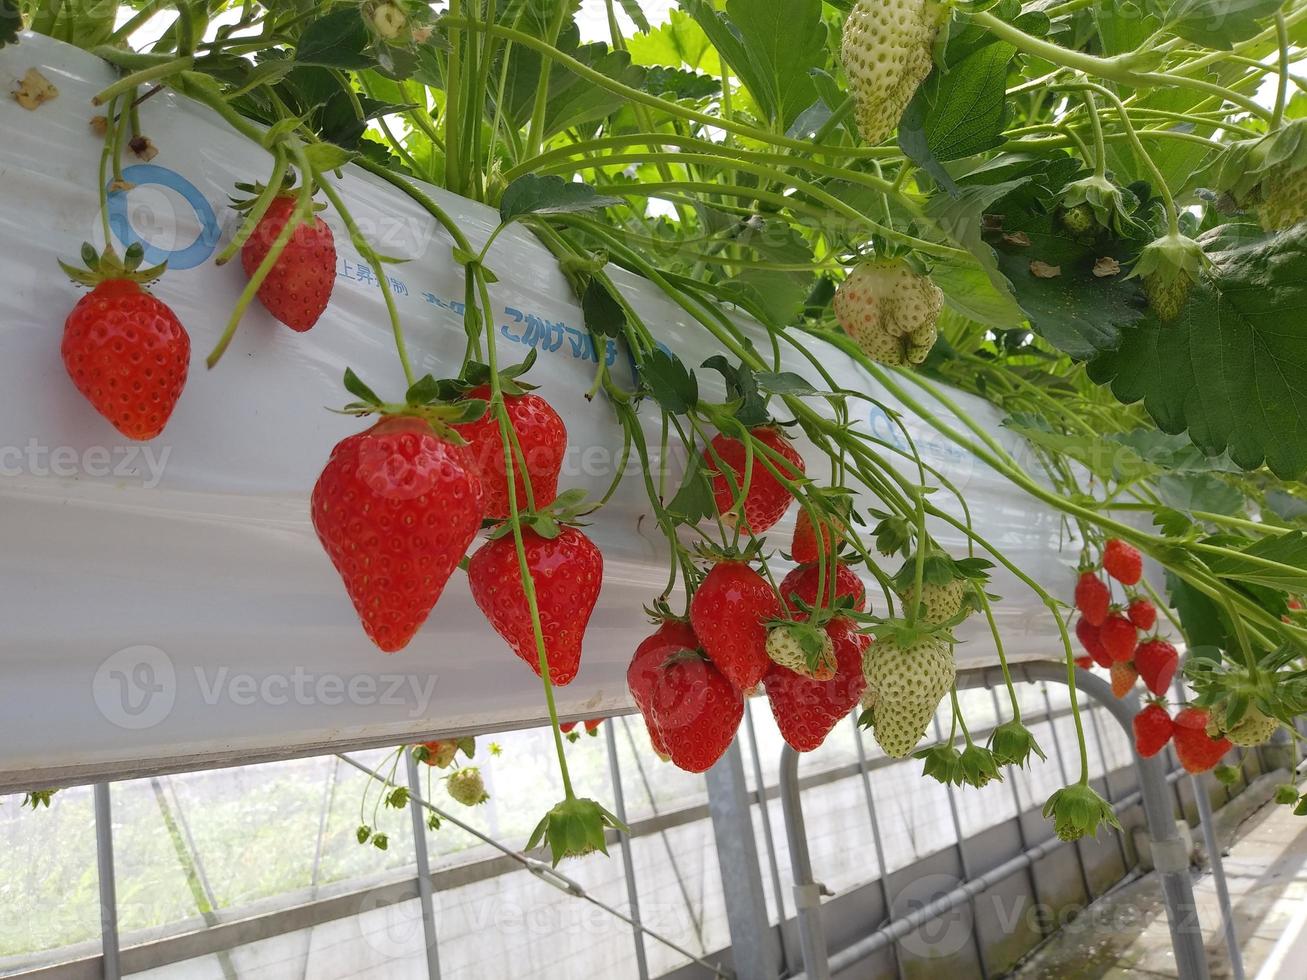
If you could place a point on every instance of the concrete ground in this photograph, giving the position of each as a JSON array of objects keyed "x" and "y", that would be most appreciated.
[{"x": 1125, "y": 934}]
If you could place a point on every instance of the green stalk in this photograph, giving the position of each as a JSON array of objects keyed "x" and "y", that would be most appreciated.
[
  {"x": 154, "y": 73},
  {"x": 1282, "y": 92}
]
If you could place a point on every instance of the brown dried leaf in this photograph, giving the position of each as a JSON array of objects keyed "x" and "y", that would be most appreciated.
[
  {"x": 1019, "y": 239},
  {"x": 34, "y": 91},
  {"x": 1042, "y": 270},
  {"x": 1106, "y": 266}
]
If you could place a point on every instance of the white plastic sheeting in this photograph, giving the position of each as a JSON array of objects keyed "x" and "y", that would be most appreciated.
[{"x": 168, "y": 606}]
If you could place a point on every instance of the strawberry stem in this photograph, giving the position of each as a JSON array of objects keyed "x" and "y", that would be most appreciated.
[{"x": 258, "y": 209}]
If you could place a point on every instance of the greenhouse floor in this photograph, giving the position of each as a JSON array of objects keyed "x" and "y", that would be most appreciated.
[{"x": 1125, "y": 934}]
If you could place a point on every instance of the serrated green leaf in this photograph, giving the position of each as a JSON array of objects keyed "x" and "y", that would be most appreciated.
[
  {"x": 338, "y": 39},
  {"x": 604, "y": 316},
  {"x": 694, "y": 499},
  {"x": 967, "y": 105},
  {"x": 671, "y": 384},
  {"x": 632, "y": 10},
  {"x": 1275, "y": 562},
  {"x": 534, "y": 194},
  {"x": 1228, "y": 370},
  {"x": 1220, "y": 23}
]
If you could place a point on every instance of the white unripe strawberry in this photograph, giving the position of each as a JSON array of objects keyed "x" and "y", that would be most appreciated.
[
  {"x": 910, "y": 679},
  {"x": 887, "y": 54},
  {"x": 890, "y": 311}
]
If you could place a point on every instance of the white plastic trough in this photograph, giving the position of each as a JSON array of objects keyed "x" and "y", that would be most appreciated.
[{"x": 173, "y": 611}]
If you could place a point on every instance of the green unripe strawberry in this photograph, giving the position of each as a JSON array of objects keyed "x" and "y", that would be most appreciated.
[
  {"x": 804, "y": 649},
  {"x": 1254, "y": 728},
  {"x": 1078, "y": 220},
  {"x": 890, "y": 311},
  {"x": 911, "y": 678},
  {"x": 1166, "y": 298},
  {"x": 939, "y": 603},
  {"x": 887, "y": 53},
  {"x": 466, "y": 786},
  {"x": 1283, "y": 198}
]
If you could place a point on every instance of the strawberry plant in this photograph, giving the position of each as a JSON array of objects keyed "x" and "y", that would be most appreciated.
[{"x": 1081, "y": 214}]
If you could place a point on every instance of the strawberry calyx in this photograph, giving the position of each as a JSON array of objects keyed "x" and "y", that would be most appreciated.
[
  {"x": 253, "y": 192},
  {"x": 1106, "y": 205},
  {"x": 1012, "y": 744},
  {"x": 943, "y": 763},
  {"x": 903, "y": 634},
  {"x": 1078, "y": 811},
  {"x": 1172, "y": 258},
  {"x": 574, "y": 828},
  {"x": 477, "y": 375},
  {"x": 420, "y": 401},
  {"x": 718, "y": 554},
  {"x": 548, "y": 522},
  {"x": 107, "y": 266}
]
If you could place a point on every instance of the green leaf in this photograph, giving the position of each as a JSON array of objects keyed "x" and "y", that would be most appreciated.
[
  {"x": 1220, "y": 23},
  {"x": 775, "y": 298},
  {"x": 694, "y": 500},
  {"x": 960, "y": 218},
  {"x": 1123, "y": 25},
  {"x": 1204, "y": 623},
  {"x": 83, "y": 24},
  {"x": 423, "y": 391},
  {"x": 604, "y": 316},
  {"x": 784, "y": 383},
  {"x": 671, "y": 384},
  {"x": 1287, "y": 553},
  {"x": 679, "y": 42},
  {"x": 327, "y": 156},
  {"x": 632, "y": 9},
  {"x": 533, "y": 194},
  {"x": 1199, "y": 491},
  {"x": 1076, "y": 311},
  {"x": 337, "y": 40},
  {"x": 966, "y": 106},
  {"x": 784, "y": 40},
  {"x": 1229, "y": 370},
  {"x": 355, "y": 386},
  {"x": 678, "y": 84}
]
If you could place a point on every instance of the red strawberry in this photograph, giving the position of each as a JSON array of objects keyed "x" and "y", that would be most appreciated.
[
  {"x": 801, "y": 584},
  {"x": 672, "y": 637},
  {"x": 767, "y": 499},
  {"x": 1093, "y": 598},
  {"x": 567, "y": 570},
  {"x": 696, "y": 710},
  {"x": 1119, "y": 638},
  {"x": 1091, "y": 640},
  {"x": 126, "y": 352},
  {"x": 1153, "y": 729},
  {"x": 1123, "y": 678},
  {"x": 1196, "y": 750},
  {"x": 729, "y": 613},
  {"x": 1156, "y": 661},
  {"x": 396, "y": 508},
  {"x": 1084, "y": 663},
  {"x": 542, "y": 437},
  {"x": 804, "y": 548},
  {"x": 806, "y": 709},
  {"x": 1123, "y": 562},
  {"x": 1142, "y": 613},
  {"x": 298, "y": 288}
]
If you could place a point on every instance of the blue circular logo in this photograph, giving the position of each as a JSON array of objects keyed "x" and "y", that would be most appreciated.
[{"x": 194, "y": 254}]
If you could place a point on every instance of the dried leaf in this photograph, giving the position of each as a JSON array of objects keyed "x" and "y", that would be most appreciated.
[
  {"x": 1019, "y": 240},
  {"x": 35, "y": 90},
  {"x": 1042, "y": 270},
  {"x": 1106, "y": 266}
]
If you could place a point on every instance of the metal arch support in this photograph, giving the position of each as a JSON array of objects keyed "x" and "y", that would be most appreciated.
[
  {"x": 1169, "y": 855},
  {"x": 755, "y": 946}
]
